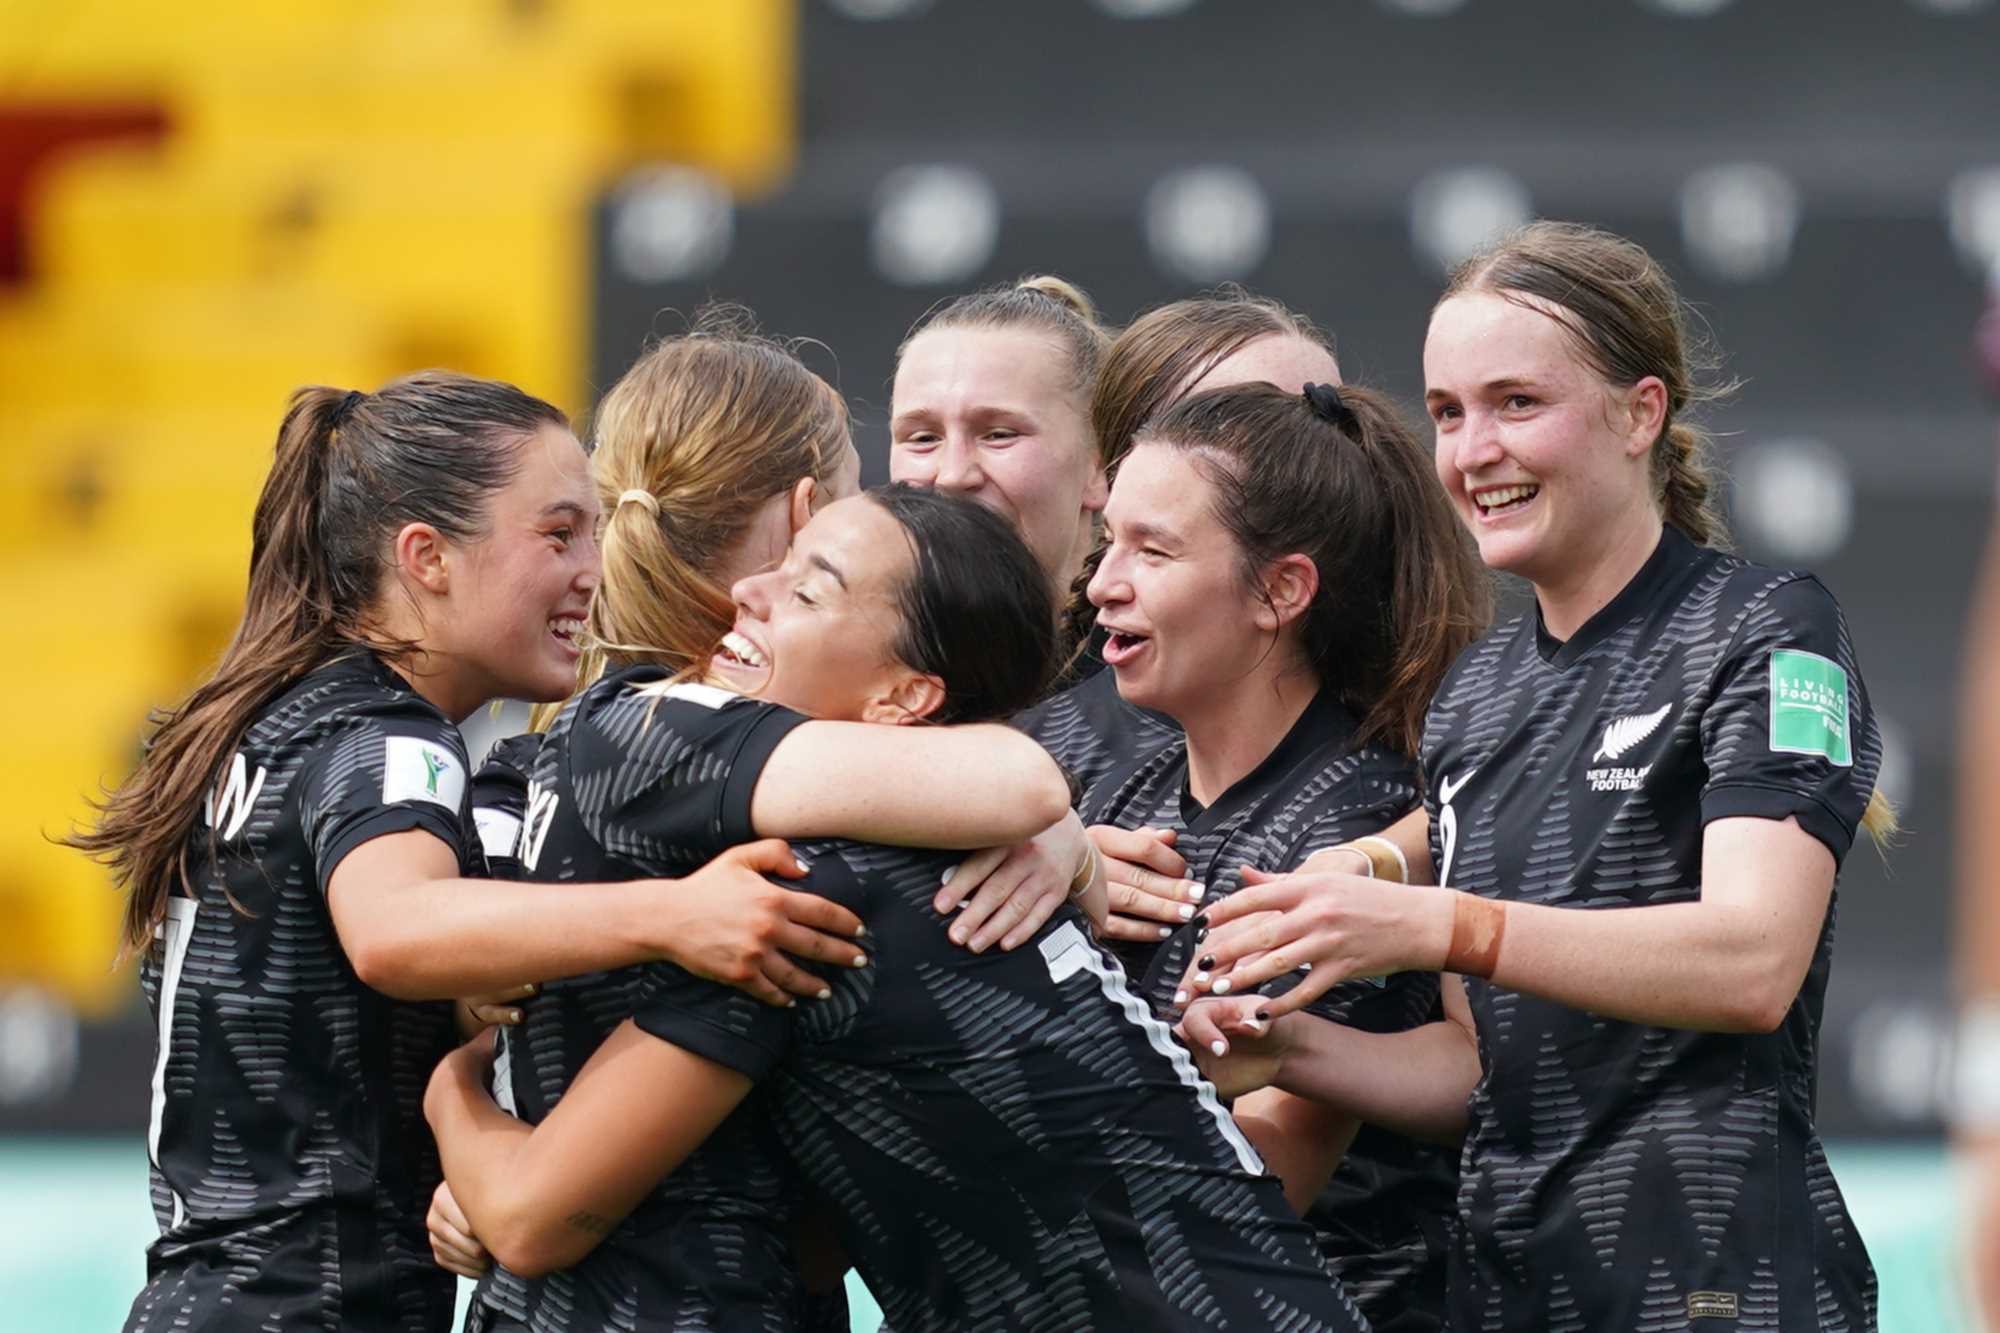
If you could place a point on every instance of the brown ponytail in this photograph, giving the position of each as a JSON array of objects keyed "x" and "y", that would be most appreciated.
[
  {"x": 349, "y": 471},
  {"x": 1401, "y": 590}
]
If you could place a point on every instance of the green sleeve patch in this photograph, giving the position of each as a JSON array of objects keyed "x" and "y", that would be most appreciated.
[{"x": 1809, "y": 706}]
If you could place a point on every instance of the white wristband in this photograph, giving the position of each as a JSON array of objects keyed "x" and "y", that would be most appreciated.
[{"x": 1395, "y": 853}]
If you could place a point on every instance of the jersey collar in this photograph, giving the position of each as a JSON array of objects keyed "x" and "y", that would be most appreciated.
[
  {"x": 1322, "y": 732},
  {"x": 1656, "y": 579}
]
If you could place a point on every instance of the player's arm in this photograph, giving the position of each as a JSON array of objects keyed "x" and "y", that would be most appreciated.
[
  {"x": 1731, "y": 961},
  {"x": 541, "y": 1197},
  {"x": 974, "y": 786},
  {"x": 1300, "y": 1140},
  {"x": 415, "y": 930},
  {"x": 1410, "y": 837},
  {"x": 1414, "y": 1083}
]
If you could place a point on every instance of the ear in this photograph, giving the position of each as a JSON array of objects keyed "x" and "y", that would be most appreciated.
[
  {"x": 1646, "y": 414},
  {"x": 1096, "y": 487},
  {"x": 419, "y": 555},
  {"x": 1290, "y": 584},
  {"x": 805, "y": 499},
  {"x": 911, "y": 698}
]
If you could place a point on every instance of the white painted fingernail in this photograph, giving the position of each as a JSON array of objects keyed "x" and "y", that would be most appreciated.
[
  {"x": 1187, "y": 911},
  {"x": 949, "y": 872},
  {"x": 1180, "y": 997},
  {"x": 1222, "y": 986},
  {"x": 803, "y": 867},
  {"x": 1166, "y": 932},
  {"x": 825, "y": 994},
  {"x": 861, "y": 960},
  {"x": 1305, "y": 967},
  {"x": 1219, "y": 1046},
  {"x": 1196, "y": 891}
]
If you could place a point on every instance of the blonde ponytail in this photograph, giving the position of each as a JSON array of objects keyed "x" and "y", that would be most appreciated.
[
  {"x": 692, "y": 441},
  {"x": 1881, "y": 821}
]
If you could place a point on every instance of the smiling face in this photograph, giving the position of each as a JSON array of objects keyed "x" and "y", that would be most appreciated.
[
  {"x": 992, "y": 414},
  {"x": 1181, "y": 626},
  {"x": 1545, "y": 462},
  {"x": 818, "y": 633},
  {"x": 513, "y": 617}
]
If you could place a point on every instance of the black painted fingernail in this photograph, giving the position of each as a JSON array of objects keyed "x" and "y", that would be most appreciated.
[
  {"x": 1263, "y": 1015},
  {"x": 1201, "y": 920},
  {"x": 1200, "y": 934},
  {"x": 1207, "y": 964}
]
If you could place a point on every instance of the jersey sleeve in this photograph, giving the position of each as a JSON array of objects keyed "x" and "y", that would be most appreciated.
[
  {"x": 1788, "y": 731},
  {"x": 674, "y": 769},
  {"x": 500, "y": 802},
  {"x": 385, "y": 768},
  {"x": 723, "y": 1024}
]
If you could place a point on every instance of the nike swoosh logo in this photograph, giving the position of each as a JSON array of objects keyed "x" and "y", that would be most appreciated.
[{"x": 1448, "y": 789}]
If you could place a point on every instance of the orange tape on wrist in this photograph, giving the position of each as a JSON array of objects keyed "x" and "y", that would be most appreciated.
[{"x": 1477, "y": 925}]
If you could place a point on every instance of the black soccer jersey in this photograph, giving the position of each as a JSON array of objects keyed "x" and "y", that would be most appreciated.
[
  {"x": 638, "y": 777},
  {"x": 1091, "y": 730},
  {"x": 1380, "y": 1217},
  {"x": 1616, "y": 1175},
  {"x": 291, "y": 1164},
  {"x": 1010, "y": 1140},
  {"x": 500, "y": 802}
]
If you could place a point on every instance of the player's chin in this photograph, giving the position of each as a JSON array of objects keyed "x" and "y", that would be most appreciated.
[{"x": 544, "y": 676}]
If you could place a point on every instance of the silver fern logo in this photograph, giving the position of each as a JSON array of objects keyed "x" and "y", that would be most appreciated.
[
  {"x": 1626, "y": 732},
  {"x": 1622, "y": 735}
]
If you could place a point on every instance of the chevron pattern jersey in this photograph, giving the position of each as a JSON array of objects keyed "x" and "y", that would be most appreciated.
[
  {"x": 291, "y": 1167},
  {"x": 631, "y": 781},
  {"x": 1616, "y": 1175},
  {"x": 1381, "y": 1219},
  {"x": 1010, "y": 1140}
]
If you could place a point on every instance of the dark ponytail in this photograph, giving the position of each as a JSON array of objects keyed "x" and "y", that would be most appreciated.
[
  {"x": 350, "y": 470},
  {"x": 1346, "y": 483}
]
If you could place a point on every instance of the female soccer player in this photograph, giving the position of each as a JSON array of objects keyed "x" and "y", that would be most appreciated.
[
  {"x": 1640, "y": 796},
  {"x": 691, "y": 458},
  {"x": 1010, "y": 1140},
  {"x": 992, "y": 401},
  {"x": 293, "y": 839},
  {"x": 1284, "y": 581}
]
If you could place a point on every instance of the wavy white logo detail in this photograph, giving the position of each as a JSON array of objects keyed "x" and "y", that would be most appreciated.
[
  {"x": 1448, "y": 821},
  {"x": 1626, "y": 732}
]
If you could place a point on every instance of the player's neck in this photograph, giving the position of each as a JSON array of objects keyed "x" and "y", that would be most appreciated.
[
  {"x": 1571, "y": 598},
  {"x": 1239, "y": 725}
]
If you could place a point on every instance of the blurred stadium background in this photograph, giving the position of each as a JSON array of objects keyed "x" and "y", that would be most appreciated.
[{"x": 202, "y": 208}]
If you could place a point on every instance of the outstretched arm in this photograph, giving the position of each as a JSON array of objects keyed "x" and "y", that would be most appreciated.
[
  {"x": 1413, "y": 1083},
  {"x": 414, "y": 930},
  {"x": 541, "y": 1197},
  {"x": 964, "y": 786},
  {"x": 1731, "y": 961}
]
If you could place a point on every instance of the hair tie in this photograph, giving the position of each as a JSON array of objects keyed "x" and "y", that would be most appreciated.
[
  {"x": 1329, "y": 406},
  {"x": 639, "y": 497},
  {"x": 346, "y": 406}
]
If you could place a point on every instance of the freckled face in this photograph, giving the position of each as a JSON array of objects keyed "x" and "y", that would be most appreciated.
[{"x": 1526, "y": 446}]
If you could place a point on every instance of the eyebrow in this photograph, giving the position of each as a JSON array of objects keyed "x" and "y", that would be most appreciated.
[
  {"x": 568, "y": 508},
  {"x": 1152, "y": 532},
  {"x": 821, "y": 562},
  {"x": 1491, "y": 386}
]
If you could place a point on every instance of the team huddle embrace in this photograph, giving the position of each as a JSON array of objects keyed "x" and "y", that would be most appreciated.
[{"x": 1119, "y": 875}]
